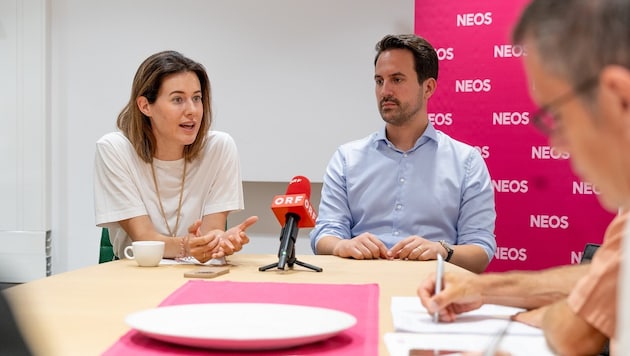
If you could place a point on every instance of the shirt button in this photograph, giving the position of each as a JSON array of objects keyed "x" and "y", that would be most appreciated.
[
  {"x": 402, "y": 180},
  {"x": 399, "y": 206},
  {"x": 395, "y": 233}
]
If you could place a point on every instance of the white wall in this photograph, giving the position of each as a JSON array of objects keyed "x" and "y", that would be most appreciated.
[
  {"x": 294, "y": 66},
  {"x": 24, "y": 139},
  {"x": 291, "y": 78},
  {"x": 24, "y": 112}
]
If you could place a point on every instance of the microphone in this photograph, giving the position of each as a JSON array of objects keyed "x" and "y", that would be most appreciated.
[
  {"x": 295, "y": 202},
  {"x": 293, "y": 211}
]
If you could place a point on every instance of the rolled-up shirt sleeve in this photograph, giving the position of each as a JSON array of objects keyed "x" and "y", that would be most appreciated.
[
  {"x": 334, "y": 217},
  {"x": 477, "y": 217}
]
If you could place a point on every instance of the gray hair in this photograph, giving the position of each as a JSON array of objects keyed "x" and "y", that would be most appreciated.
[{"x": 576, "y": 39}]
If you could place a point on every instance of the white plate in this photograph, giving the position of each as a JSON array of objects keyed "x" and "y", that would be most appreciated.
[{"x": 240, "y": 326}]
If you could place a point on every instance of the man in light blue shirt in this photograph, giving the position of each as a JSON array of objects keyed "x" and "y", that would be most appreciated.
[{"x": 407, "y": 191}]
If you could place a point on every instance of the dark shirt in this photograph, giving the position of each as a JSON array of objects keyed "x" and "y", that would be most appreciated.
[{"x": 11, "y": 341}]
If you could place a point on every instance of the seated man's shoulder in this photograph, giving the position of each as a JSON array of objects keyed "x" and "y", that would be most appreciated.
[
  {"x": 359, "y": 144},
  {"x": 456, "y": 145}
]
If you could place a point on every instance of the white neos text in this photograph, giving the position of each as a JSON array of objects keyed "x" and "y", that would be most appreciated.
[
  {"x": 445, "y": 53},
  {"x": 509, "y": 51},
  {"x": 511, "y": 254},
  {"x": 547, "y": 152},
  {"x": 510, "y": 118},
  {"x": 474, "y": 19},
  {"x": 549, "y": 222},
  {"x": 441, "y": 119},
  {"x": 584, "y": 188},
  {"x": 510, "y": 186},
  {"x": 472, "y": 85}
]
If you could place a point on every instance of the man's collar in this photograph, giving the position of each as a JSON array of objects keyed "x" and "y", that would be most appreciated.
[{"x": 428, "y": 134}]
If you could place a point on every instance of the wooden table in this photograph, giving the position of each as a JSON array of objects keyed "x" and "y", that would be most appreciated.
[{"x": 82, "y": 312}]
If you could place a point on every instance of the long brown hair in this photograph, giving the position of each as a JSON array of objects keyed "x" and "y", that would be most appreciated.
[{"x": 147, "y": 82}]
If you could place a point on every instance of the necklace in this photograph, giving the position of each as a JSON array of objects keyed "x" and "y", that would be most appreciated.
[{"x": 179, "y": 205}]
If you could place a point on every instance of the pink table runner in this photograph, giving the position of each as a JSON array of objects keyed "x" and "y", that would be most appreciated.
[{"x": 360, "y": 300}]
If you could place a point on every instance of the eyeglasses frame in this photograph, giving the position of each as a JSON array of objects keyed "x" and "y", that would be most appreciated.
[{"x": 547, "y": 109}]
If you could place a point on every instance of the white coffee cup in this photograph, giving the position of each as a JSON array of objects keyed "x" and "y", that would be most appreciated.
[{"x": 146, "y": 253}]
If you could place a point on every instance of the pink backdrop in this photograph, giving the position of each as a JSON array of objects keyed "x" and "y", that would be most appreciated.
[{"x": 545, "y": 214}]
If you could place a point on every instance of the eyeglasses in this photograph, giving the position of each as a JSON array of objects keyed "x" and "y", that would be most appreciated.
[{"x": 545, "y": 118}]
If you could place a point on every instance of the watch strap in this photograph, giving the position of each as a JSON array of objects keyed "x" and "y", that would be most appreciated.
[{"x": 448, "y": 248}]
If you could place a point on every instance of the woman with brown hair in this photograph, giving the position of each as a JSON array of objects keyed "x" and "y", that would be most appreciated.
[{"x": 165, "y": 176}]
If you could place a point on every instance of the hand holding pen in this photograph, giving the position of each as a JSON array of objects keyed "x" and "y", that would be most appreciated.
[{"x": 451, "y": 294}]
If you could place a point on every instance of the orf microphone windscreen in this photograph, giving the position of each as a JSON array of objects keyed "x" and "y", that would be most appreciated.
[
  {"x": 296, "y": 202},
  {"x": 299, "y": 185}
]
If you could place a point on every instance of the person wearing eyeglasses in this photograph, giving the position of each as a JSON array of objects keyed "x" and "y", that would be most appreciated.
[
  {"x": 578, "y": 67},
  {"x": 408, "y": 191},
  {"x": 535, "y": 291}
]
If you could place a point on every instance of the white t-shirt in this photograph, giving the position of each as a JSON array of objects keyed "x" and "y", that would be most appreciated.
[{"x": 124, "y": 188}]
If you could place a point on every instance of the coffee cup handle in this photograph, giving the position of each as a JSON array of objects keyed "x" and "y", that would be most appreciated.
[{"x": 126, "y": 252}]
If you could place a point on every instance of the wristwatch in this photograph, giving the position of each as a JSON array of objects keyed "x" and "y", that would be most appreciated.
[{"x": 448, "y": 248}]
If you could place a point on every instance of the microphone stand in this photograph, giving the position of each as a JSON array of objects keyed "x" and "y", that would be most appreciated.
[{"x": 286, "y": 253}]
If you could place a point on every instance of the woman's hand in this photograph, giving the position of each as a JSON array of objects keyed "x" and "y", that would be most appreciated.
[
  {"x": 234, "y": 238},
  {"x": 201, "y": 247}
]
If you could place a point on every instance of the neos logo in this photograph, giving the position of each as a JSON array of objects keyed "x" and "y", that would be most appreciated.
[
  {"x": 445, "y": 54},
  {"x": 484, "y": 151},
  {"x": 441, "y": 119},
  {"x": 472, "y": 85},
  {"x": 510, "y": 254},
  {"x": 510, "y": 186},
  {"x": 584, "y": 188},
  {"x": 509, "y": 51},
  {"x": 474, "y": 19},
  {"x": 547, "y": 152},
  {"x": 549, "y": 222},
  {"x": 510, "y": 118}
]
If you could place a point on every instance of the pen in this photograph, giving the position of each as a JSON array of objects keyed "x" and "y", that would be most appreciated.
[
  {"x": 438, "y": 282},
  {"x": 496, "y": 341}
]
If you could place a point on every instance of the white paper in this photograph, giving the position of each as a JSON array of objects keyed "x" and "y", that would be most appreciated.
[
  {"x": 472, "y": 331},
  {"x": 400, "y": 344},
  {"x": 409, "y": 315}
]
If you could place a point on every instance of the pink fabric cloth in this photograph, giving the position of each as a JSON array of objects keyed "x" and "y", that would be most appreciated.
[{"x": 360, "y": 300}]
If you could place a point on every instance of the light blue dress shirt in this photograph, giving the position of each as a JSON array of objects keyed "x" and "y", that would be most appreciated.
[{"x": 440, "y": 190}]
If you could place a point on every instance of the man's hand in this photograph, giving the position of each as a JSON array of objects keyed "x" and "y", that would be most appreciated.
[
  {"x": 416, "y": 248},
  {"x": 461, "y": 293},
  {"x": 532, "y": 317},
  {"x": 364, "y": 246}
]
